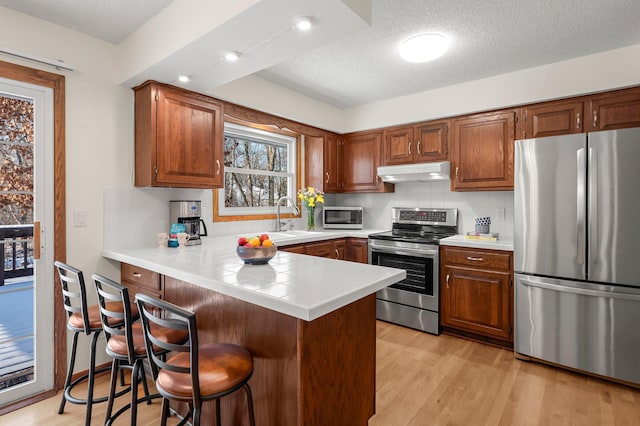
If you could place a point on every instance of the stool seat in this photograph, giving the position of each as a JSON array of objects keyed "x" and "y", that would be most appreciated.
[
  {"x": 93, "y": 312},
  {"x": 117, "y": 344},
  {"x": 221, "y": 366}
]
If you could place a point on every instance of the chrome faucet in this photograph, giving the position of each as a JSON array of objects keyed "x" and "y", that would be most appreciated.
[{"x": 294, "y": 208}]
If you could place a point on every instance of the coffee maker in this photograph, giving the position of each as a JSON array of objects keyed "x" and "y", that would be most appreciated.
[{"x": 188, "y": 212}]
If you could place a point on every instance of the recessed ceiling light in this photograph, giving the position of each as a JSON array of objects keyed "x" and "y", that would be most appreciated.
[
  {"x": 183, "y": 78},
  {"x": 304, "y": 23},
  {"x": 232, "y": 56},
  {"x": 423, "y": 47}
]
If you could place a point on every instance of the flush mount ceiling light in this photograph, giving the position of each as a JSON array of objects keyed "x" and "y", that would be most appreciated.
[
  {"x": 304, "y": 23},
  {"x": 232, "y": 56},
  {"x": 183, "y": 78},
  {"x": 424, "y": 47}
]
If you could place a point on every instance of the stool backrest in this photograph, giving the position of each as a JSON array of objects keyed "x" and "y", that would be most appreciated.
[
  {"x": 156, "y": 314},
  {"x": 115, "y": 311},
  {"x": 74, "y": 292}
]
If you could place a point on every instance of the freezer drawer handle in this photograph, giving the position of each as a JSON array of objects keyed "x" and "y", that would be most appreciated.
[{"x": 581, "y": 291}]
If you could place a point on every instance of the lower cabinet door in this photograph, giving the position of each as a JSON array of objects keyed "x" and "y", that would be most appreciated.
[{"x": 477, "y": 301}]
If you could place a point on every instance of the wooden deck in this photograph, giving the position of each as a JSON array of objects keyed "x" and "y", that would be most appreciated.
[{"x": 16, "y": 332}]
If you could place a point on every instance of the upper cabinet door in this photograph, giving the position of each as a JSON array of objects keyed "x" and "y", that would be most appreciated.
[
  {"x": 483, "y": 152},
  {"x": 615, "y": 110},
  {"x": 361, "y": 160},
  {"x": 398, "y": 147},
  {"x": 321, "y": 162},
  {"x": 551, "y": 119},
  {"x": 178, "y": 138},
  {"x": 332, "y": 159},
  {"x": 432, "y": 142}
]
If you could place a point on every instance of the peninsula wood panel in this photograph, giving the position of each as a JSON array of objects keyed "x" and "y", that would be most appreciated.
[{"x": 320, "y": 372}]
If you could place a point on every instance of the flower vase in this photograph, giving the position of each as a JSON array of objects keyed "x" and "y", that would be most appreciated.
[{"x": 311, "y": 219}]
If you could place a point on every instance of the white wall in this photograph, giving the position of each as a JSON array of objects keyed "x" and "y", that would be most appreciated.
[{"x": 99, "y": 130}]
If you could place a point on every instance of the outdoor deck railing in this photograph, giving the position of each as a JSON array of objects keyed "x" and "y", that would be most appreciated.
[{"x": 16, "y": 251}]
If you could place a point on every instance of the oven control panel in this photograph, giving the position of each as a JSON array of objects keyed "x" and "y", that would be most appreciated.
[{"x": 425, "y": 216}]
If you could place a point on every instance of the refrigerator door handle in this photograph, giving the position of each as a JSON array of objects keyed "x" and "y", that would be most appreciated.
[
  {"x": 581, "y": 204},
  {"x": 580, "y": 291},
  {"x": 593, "y": 207}
]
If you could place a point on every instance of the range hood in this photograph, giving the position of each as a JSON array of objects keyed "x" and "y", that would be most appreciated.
[{"x": 421, "y": 172}]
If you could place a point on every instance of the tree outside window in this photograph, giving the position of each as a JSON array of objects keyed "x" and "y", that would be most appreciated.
[{"x": 259, "y": 169}]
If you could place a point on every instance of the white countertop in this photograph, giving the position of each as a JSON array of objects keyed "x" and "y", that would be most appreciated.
[
  {"x": 463, "y": 241},
  {"x": 305, "y": 287}
]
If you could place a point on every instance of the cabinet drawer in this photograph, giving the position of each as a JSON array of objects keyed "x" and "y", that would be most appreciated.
[
  {"x": 477, "y": 258},
  {"x": 140, "y": 276}
]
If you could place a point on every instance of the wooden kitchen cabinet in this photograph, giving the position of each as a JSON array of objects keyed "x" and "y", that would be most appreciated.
[
  {"x": 140, "y": 280},
  {"x": 483, "y": 151},
  {"x": 416, "y": 144},
  {"x": 551, "y": 119},
  {"x": 614, "y": 110},
  {"x": 361, "y": 158},
  {"x": 321, "y": 162},
  {"x": 332, "y": 249},
  {"x": 476, "y": 289},
  {"x": 357, "y": 250},
  {"x": 178, "y": 138}
]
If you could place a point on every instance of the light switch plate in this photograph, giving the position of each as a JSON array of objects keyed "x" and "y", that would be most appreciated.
[
  {"x": 500, "y": 213},
  {"x": 80, "y": 218}
]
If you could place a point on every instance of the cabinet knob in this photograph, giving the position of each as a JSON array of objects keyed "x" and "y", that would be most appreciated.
[
  {"x": 137, "y": 274},
  {"x": 217, "y": 167},
  {"x": 326, "y": 177},
  {"x": 447, "y": 280},
  {"x": 595, "y": 119},
  {"x": 419, "y": 147},
  {"x": 577, "y": 120},
  {"x": 409, "y": 148},
  {"x": 337, "y": 254}
]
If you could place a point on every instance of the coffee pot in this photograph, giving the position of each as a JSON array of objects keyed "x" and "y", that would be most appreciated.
[{"x": 188, "y": 212}]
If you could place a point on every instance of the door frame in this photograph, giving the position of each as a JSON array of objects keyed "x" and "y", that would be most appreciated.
[{"x": 57, "y": 83}]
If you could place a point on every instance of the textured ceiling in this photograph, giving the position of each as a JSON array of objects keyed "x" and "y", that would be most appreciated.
[
  {"x": 109, "y": 20},
  {"x": 487, "y": 38}
]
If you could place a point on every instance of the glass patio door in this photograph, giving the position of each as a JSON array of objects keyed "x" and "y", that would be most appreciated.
[{"x": 26, "y": 248}]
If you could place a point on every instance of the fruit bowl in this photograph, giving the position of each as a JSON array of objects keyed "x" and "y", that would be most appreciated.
[{"x": 256, "y": 255}]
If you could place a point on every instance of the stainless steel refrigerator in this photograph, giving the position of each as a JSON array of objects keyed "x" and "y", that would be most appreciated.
[{"x": 577, "y": 251}]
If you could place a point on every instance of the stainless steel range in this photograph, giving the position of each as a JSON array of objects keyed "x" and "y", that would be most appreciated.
[{"x": 412, "y": 245}]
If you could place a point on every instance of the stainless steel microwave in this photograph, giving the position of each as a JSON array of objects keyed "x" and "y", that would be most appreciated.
[{"x": 342, "y": 217}]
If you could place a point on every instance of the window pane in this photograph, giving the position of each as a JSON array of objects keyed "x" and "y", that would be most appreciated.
[
  {"x": 249, "y": 190},
  {"x": 248, "y": 153}
]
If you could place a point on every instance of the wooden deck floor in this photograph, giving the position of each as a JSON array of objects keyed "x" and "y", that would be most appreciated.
[{"x": 16, "y": 333}]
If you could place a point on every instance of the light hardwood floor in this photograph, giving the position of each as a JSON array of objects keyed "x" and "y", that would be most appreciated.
[{"x": 438, "y": 380}]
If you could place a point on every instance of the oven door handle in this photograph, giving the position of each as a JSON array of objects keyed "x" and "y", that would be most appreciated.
[{"x": 405, "y": 251}]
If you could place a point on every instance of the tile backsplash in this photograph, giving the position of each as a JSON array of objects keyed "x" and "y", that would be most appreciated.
[
  {"x": 133, "y": 216},
  {"x": 498, "y": 205}
]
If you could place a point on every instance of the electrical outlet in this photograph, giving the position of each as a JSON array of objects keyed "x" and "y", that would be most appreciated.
[{"x": 500, "y": 214}]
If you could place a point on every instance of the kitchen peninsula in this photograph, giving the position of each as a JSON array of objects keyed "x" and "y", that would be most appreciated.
[{"x": 308, "y": 321}]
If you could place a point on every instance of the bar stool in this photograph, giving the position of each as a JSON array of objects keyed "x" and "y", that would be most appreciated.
[
  {"x": 81, "y": 319},
  {"x": 125, "y": 344},
  {"x": 197, "y": 373}
]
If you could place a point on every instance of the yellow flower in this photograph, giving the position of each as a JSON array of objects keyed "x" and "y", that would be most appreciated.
[
  {"x": 320, "y": 199},
  {"x": 311, "y": 203}
]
